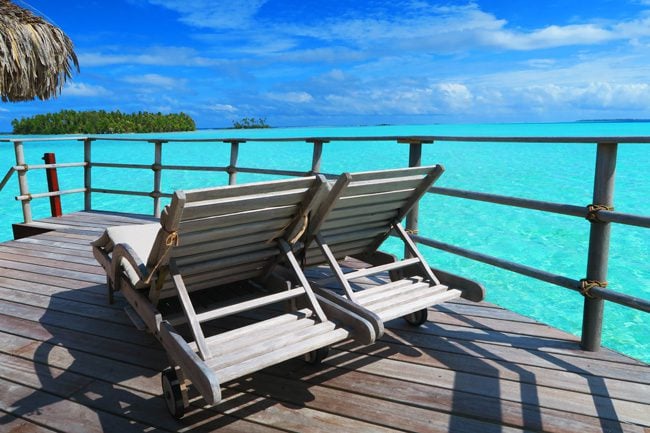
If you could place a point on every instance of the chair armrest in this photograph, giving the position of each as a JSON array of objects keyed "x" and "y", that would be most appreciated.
[
  {"x": 125, "y": 252},
  {"x": 366, "y": 325}
]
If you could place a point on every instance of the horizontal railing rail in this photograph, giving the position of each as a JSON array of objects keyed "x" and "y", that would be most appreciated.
[
  {"x": 558, "y": 208},
  {"x": 593, "y": 286}
]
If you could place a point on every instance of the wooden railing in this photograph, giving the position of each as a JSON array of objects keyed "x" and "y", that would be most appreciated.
[{"x": 600, "y": 216}]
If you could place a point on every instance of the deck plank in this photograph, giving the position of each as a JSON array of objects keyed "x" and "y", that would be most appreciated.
[{"x": 71, "y": 362}]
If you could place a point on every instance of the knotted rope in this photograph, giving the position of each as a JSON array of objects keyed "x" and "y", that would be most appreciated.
[
  {"x": 593, "y": 209},
  {"x": 587, "y": 285}
]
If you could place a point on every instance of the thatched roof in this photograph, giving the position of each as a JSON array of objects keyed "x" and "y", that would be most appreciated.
[{"x": 36, "y": 58}]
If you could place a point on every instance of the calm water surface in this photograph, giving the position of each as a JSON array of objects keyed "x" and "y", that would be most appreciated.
[{"x": 560, "y": 173}]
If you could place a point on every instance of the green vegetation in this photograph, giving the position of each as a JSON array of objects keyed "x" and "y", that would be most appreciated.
[
  {"x": 102, "y": 122},
  {"x": 250, "y": 123}
]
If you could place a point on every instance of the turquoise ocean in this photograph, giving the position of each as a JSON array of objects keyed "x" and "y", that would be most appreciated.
[{"x": 561, "y": 173}]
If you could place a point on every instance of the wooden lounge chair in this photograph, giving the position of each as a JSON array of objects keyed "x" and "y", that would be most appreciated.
[
  {"x": 207, "y": 239},
  {"x": 359, "y": 213}
]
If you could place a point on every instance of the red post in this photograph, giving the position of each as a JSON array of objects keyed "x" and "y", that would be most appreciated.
[{"x": 53, "y": 185}]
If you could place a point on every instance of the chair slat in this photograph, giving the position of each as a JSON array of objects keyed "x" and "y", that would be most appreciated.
[
  {"x": 383, "y": 185},
  {"x": 256, "y": 188},
  {"x": 256, "y": 215},
  {"x": 236, "y": 205},
  {"x": 219, "y": 234},
  {"x": 384, "y": 174},
  {"x": 249, "y": 305}
]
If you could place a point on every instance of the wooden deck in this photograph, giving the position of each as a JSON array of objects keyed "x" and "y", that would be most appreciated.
[{"x": 69, "y": 362}]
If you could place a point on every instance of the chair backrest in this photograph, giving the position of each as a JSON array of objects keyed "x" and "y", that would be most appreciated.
[
  {"x": 227, "y": 234},
  {"x": 361, "y": 208}
]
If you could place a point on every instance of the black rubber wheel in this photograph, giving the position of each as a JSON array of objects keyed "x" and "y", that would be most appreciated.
[
  {"x": 417, "y": 318},
  {"x": 172, "y": 393},
  {"x": 316, "y": 356}
]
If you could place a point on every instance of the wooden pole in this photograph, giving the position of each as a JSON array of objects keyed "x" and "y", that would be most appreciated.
[
  {"x": 87, "y": 174},
  {"x": 22, "y": 181},
  {"x": 412, "y": 219},
  {"x": 599, "y": 236},
  {"x": 232, "y": 168},
  {"x": 317, "y": 155},
  {"x": 157, "y": 177},
  {"x": 53, "y": 185}
]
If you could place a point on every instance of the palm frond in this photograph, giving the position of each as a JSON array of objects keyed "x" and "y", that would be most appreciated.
[{"x": 36, "y": 57}]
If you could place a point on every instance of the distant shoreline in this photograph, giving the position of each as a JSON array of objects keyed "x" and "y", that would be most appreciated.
[{"x": 613, "y": 121}]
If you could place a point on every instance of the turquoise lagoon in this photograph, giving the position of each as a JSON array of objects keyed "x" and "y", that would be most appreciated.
[{"x": 561, "y": 173}]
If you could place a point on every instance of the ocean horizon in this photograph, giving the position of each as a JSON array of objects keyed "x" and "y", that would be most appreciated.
[{"x": 561, "y": 173}]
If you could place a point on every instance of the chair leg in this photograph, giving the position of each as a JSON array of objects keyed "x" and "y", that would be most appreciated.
[
  {"x": 111, "y": 290},
  {"x": 315, "y": 357}
]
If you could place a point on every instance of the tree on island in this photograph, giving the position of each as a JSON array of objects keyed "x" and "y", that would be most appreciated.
[
  {"x": 102, "y": 122},
  {"x": 250, "y": 123}
]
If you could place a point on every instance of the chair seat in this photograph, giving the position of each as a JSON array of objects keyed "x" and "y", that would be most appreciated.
[
  {"x": 396, "y": 299},
  {"x": 140, "y": 237},
  {"x": 245, "y": 350}
]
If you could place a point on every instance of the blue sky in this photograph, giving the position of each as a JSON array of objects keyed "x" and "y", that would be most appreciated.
[{"x": 351, "y": 62}]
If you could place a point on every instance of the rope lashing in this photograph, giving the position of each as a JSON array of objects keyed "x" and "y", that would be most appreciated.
[
  {"x": 587, "y": 285},
  {"x": 303, "y": 229},
  {"x": 412, "y": 231},
  {"x": 170, "y": 241},
  {"x": 593, "y": 209},
  {"x": 305, "y": 221}
]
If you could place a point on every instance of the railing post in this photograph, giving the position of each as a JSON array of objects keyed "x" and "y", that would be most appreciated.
[
  {"x": 87, "y": 174},
  {"x": 53, "y": 185},
  {"x": 316, "y": 155},
  {"x": 599, "y": 235},
  {"x": 232, "y": 168},
  {"x": 22, "y": 181},
  {"x": 157, "y": 177},
  {"x": 415, "y": 160}
]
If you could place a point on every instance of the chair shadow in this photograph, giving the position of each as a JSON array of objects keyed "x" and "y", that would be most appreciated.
[{"x": 98, "y": 368}]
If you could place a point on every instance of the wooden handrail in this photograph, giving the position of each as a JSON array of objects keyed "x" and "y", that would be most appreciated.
[{"x": 425, "y": 139}]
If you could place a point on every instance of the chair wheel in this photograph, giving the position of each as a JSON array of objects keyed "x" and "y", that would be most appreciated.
[
  {"x": 172, "y": 393},
  {"x": 417, "y": 318},
  {"x": 316, "y": 356}
]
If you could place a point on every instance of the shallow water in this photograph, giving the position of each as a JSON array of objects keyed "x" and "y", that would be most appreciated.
[{"x": 560, "y": 173}]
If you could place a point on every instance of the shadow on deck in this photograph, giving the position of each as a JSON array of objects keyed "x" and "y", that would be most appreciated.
[{"x": 71, "y": 362}]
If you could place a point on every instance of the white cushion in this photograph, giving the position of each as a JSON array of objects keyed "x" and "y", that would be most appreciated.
[{"x": 140, "y": 237}]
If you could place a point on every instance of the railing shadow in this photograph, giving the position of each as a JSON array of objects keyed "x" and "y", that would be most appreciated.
[{"x": 479, "y": 374}]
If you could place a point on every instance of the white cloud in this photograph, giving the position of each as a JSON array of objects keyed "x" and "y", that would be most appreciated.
[
  {"x": 155, "y": 80},
  {"x": 455, "y": 96},
  {"x": 541, "y": 63},
  {"x": 229, "y": 14},
  {"x": 592, "y": 96},
  {"x": 161, "y": 56},
  {"x": 458, "y": 28},
  {"x": 84, "y": 90},
  {"x": 552, "y": 36},
  {"x": 294, "y": 97},
  {"x": 221, "y": 107}
]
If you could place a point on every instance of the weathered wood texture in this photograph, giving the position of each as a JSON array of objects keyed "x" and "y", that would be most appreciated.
[{"x": 71, "y": 362}]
